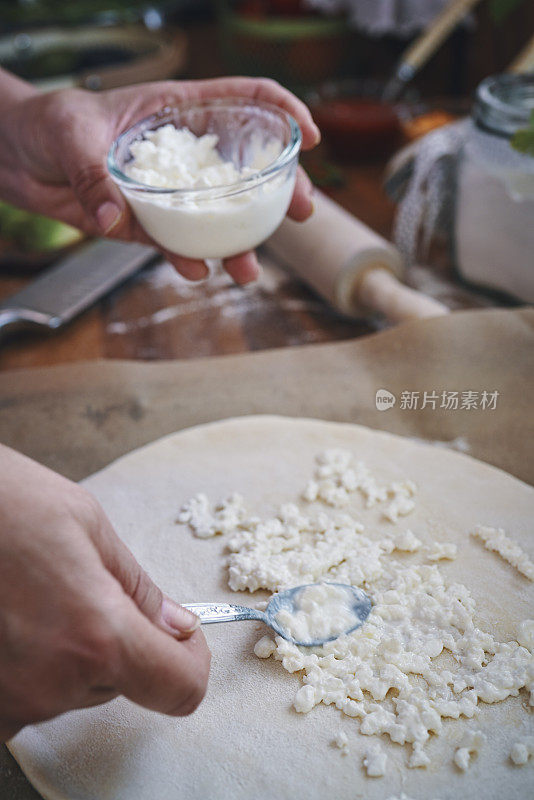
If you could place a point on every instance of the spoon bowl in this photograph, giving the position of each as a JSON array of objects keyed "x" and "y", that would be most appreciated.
[{"x": 288, "y": 601}]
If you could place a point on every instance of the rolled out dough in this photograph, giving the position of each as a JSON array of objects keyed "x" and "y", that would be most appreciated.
[{"x": 245, "y": 741}]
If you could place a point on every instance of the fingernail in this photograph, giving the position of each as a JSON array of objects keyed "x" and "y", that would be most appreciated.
[
  {"x": 108, "y": 215},
  {"x": 317, "y": 135},
  {"x": 178, "y": 618},
  {"x": 193, "y": 272},
  {"x": 201, "y": 273}
]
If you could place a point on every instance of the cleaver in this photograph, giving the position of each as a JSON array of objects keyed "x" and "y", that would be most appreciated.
[{"x": 72, "y": 285}]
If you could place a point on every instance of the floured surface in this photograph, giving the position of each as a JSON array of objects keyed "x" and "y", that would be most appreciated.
[{"x": 246, "y": 740}]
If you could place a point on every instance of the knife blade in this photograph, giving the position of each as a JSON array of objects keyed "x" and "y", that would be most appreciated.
[{"x": 72, "y": 285}]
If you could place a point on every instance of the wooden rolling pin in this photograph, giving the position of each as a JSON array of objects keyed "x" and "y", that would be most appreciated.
[{"x": 348, "y": 264}]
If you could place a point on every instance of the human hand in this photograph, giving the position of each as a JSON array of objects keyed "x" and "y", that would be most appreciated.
[
  {"x": 53, "y": 158},
  {"x": 80, "y": 621}
]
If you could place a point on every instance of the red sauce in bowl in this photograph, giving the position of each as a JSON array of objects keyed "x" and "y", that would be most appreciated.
[{"x": 358, "y": 127}]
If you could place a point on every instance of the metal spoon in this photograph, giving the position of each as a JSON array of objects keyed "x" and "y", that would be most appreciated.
[{"x": 288, "y": 599}]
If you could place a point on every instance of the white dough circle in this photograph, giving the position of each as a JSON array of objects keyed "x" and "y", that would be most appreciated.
[{"x": 246, "y": 740}]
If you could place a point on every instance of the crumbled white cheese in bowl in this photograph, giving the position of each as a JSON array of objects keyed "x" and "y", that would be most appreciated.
[{"x": 210, "y": 179}]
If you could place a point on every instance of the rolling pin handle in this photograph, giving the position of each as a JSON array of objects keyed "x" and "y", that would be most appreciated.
[
  {"x": 348, "y": 264},
  {"x": 380, "y": 290}
]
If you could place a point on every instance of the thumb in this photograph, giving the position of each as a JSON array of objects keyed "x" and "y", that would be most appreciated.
[
  {"x": 85, "y": 165},
  {"x": 137, "y": 584},
  {"x": 156, "y": 671}
]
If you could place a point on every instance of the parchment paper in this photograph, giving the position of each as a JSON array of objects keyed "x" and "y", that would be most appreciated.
[{"x": 78, "y": 418}]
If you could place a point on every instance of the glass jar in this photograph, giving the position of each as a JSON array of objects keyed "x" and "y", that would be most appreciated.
[{"x": 493, "y": 214}]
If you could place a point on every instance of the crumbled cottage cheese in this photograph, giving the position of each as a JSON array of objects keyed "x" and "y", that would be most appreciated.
[
  {"x": 304, "y": 699},
  {"x": 471, "y": 747},
  {"x": 525, "y": 634},
  {"x": 402, "y": 502},
  {"x": 205, "y": 522},
  {"x": 419, "y": 658},
  {"x": 293, "y": 549},
  {"x": 406, "y": 541},
  {"x": 206, "y": 224},
  {"x": 442, "y": 550},
  {"x": 338, "y": 476},
  {"x": 323, "y": 611},
  {"x": 522, "y": 751},
  {"x": 265, "y": 647},
  {"x": 341, "y": 741},
  {"x": 495, "y": 539},
  {"x": 375, "y": 761},
  {"x": 174, "y": 158},
  {"x": 418, "y": 757}
]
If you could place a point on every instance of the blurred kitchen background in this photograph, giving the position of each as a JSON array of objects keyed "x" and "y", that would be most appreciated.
[
  {"x": 332, "y": 53},
  {"x": 300, "y": 42}
]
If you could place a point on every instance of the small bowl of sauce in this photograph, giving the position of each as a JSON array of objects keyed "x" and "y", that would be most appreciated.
[{"x": 355, "y": 123}]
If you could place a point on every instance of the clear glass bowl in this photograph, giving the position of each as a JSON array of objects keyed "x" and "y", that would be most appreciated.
[{"x": 216, "y": 221}]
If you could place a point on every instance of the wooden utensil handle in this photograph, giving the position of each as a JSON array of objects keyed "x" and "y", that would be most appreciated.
[
  {"x": 380, "y": 290},
  {"x": 438, "y": 30},
  {"x": 524, "y": 62}
]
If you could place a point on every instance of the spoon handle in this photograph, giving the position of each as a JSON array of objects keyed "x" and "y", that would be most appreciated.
[{"x": 222, "y": 612}]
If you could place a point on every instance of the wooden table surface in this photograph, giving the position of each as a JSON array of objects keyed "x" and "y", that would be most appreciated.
[{"x": 158, "y": 315}]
